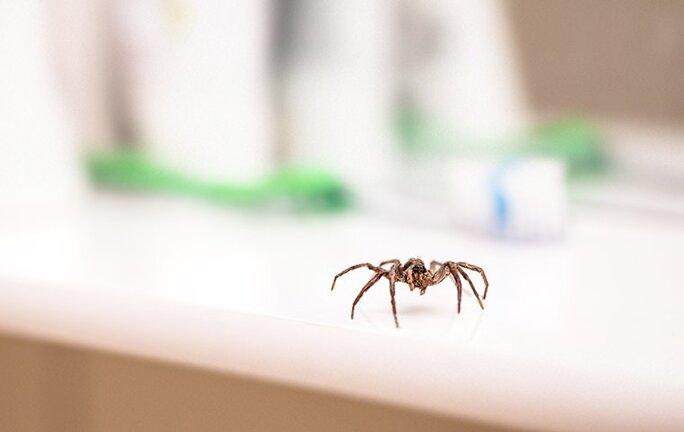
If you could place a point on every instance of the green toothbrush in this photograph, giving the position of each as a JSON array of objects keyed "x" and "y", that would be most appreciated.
[
  {"x": 576, "y": 141},
  {"x": 302, "y": 189}
]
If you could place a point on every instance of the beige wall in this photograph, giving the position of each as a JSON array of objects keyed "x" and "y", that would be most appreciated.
[
  {"x": 608, "y": 58},
  {"x": 46, "y": 387}
]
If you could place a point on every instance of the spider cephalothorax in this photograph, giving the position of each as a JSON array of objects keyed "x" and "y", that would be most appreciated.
[{"x": 415, "y": 275}]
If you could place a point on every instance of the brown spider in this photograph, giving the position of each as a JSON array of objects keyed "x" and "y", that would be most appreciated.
[{"x": 414, "y": 273}]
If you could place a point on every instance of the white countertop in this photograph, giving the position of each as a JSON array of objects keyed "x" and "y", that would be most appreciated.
[{"x": 584, "y": 334}]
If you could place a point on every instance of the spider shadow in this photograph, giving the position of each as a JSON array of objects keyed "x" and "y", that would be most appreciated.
[
  {"x": 374, "y": 316},
  {"x": 412, "y": 310},
  {"x": 418, "y": 310}
]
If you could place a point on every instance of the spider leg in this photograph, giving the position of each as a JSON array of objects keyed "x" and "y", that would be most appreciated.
[
  {"x": 479, "y": 270},
  {"x": 457, "y": 281},
  {"x": 392, "y": 280},
  {"x": 354, "y": 267},
  {"x": 392, "y": 261},
  {"x": 439, "y": 272},
  {"x": 470, "y": 282},
  {"x": 444, "y": 270},
  {"x": 365, "y": 288},
  {"x": 434, "y": 265}
]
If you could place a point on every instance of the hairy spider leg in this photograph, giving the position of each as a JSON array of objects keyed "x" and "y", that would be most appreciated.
[
  {"x": 365, "y": 288},
  {"x": 440, "y": 272},
  {"x": 392, "y": 261},
  {"x": 472, "y": 287},
  {"x": 479, "y": 270},
  {"x": 459, "y": 287},
  {"x": 392, "y": 281},
  {"x": 354, "y": 267}
]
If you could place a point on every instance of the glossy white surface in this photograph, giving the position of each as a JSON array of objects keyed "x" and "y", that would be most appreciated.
[{"x": 584, "y": 334}]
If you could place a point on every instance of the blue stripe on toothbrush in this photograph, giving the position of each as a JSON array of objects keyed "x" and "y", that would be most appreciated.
[{"x": 501, "y": 207}]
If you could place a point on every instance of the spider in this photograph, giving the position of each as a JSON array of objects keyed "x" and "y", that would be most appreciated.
[{"x": 414, "y": 273}]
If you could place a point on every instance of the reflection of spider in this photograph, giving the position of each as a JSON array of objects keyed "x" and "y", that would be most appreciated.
[{"x": 414, "y": 273}]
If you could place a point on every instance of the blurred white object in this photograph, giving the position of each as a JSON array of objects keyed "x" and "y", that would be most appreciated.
[
  {"x": 470, "y": 81},
  {"x": 336, "y": 90},
  {"x": 647, "y": 169},
  {"x": 197, "y": 71},
  {"x": 648, "y": 152},
  {"x": 38, "y": 160},
  {"x": 519, "y": 198},
  {"x": 81, "y": 53}
]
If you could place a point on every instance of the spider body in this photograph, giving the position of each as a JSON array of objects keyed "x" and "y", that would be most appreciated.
[{"x": 414, "y": 273}]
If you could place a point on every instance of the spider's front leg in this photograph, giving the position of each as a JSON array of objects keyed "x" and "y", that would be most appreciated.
[
  {"x": 434, "y": 266},
  {"x": 365, "y": 288},
  {"x": 392, "y": 281},
  {"x": 457, "y": 280},
  {"x": 354, "y": 267},
  {"x": 479, "y": 270},
  {"x": 440, "y": 272},
  {"x": 392, "y": 261},
  {"x": 455, "y": 267},
  {"x": 455, "y": 270}
]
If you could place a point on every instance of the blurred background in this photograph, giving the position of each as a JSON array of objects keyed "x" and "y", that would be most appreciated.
[
  {"x": 491, "y": 114},
  {"x": 328, "y": 133}
]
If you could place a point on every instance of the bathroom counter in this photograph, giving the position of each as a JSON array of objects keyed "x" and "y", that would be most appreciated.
[{"x": 582, "y": 334}]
